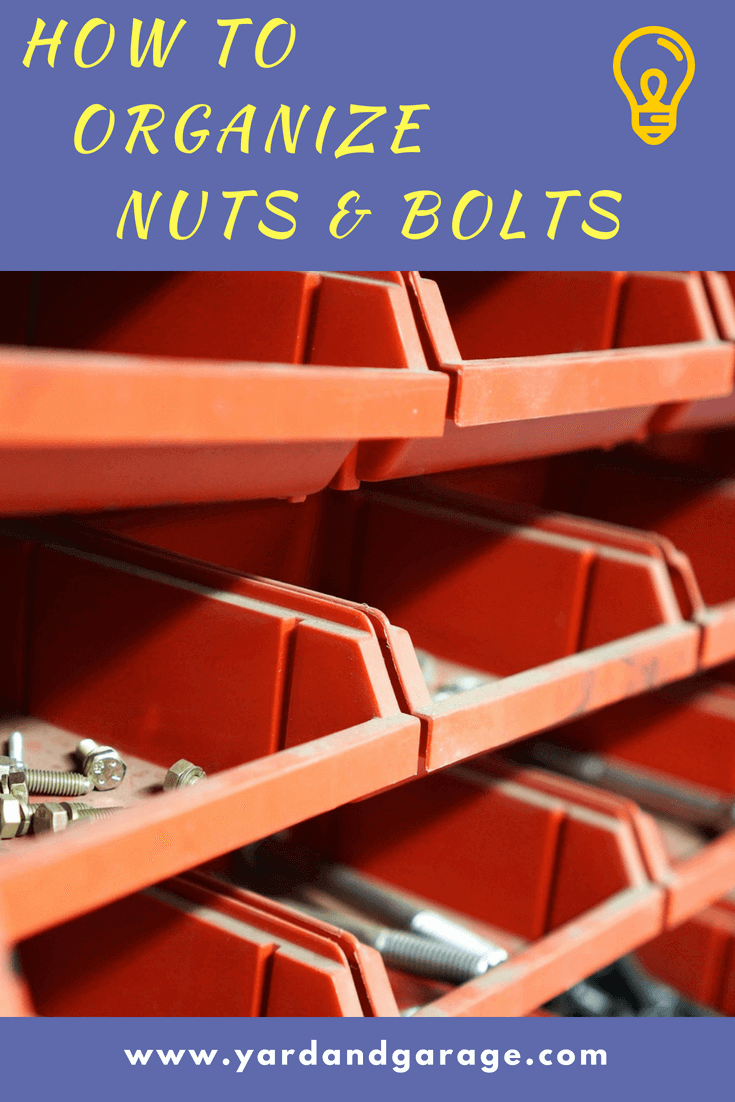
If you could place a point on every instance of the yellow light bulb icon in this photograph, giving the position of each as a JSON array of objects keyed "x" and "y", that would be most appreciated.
[{"x": 654, "y": 121}]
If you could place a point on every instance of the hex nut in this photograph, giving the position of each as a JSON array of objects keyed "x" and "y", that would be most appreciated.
[
  {"x": 104, "y": 767},
  {"x": 7, "y": 766},
  {"x": 49, "y": 817},
  {"x": 15, "y": 816},
  {"x": 17, "y": 785},
  {"x": 183, "y": 773}
]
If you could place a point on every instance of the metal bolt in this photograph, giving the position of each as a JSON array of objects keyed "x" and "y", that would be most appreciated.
[
  {"x": 101, "y": 764},
  {"x": 410, "y": 952},
  {"x": 54, "y": 817},
  {"x": 15, "y": 816},
  {"x": 183, "y": 773},
  {"x": 15, "y": 749},
  {"x": 48, "y": 782},
  {"x": 389, "y": 906},
  {"x": 664, "y": 795}
]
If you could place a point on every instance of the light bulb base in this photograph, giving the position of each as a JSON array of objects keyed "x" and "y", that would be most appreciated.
[{"x": 654, "y": 127}]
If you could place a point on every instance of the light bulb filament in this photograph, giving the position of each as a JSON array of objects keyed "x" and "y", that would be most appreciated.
[{"x": 653, "y": 99}]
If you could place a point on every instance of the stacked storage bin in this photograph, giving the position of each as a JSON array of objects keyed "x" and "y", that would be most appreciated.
[{"x": 261, "y": 521}]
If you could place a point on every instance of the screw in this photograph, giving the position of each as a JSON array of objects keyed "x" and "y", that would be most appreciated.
[
  {"x": 410, "y": 952},
  {"x": 48, "y": 782},
  {"x": 101, "y": 764},
  {"x": 15, "y": 748},
  {"x": 389, "y": 906},
  {"x": 183, "y": 773}
]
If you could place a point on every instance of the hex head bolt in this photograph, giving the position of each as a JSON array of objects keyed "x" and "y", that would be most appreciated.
[
  {"x": 103, "y": 765},
  {"x": 54, "y": 817},
  {"x": 352, "y": 887},
  {"x": 183, "y": 773}
]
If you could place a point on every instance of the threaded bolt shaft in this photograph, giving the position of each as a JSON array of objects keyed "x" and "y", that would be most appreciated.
[
  {"x": 48, "y": 782},
  {"x": 412, "y": 953},
  {"x": 424, "y": 957},
  {"x": 98, "y": 812},
  {"x": 77, "y": 812}
]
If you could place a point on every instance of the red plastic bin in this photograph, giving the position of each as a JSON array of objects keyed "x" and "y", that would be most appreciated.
[
  {"x": 166, "y": 658},
  {"x": 544, "y": 362},
  {"x": 710, "y": 413},
  {"x": 199, "y": 386},
  {"x": 560, "y": 620},
  {"x": 683, "y": 732},
  {"x": 560, "y": 625},
  {"x": 694, "y": 511},
  {"x": 189, "y": 947},
  {"x": 564, "y": 888}
]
